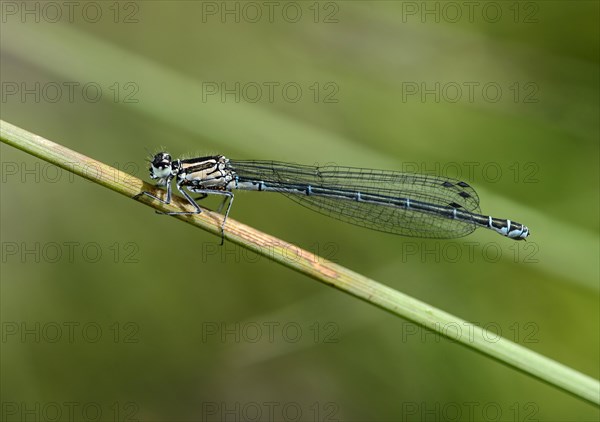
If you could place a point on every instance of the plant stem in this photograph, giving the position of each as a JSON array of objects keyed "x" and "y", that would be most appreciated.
[{"x": 327, "y": 272}]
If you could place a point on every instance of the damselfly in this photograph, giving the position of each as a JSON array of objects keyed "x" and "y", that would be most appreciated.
[{"x": 401, "y": 203}]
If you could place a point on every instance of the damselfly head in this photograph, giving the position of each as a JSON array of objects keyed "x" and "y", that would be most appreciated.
[{"x": 161, "y": 167}]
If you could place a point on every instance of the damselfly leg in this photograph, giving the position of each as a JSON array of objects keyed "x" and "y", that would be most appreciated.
[
  {"x": 227, "y": 196},
  {"x": 203, "y": 194}
]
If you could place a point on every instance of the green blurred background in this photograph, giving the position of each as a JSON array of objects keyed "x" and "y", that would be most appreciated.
[{"x": 108, "y": 307}]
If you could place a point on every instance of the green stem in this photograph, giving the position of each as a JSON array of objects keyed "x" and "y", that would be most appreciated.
[{"x": 316, "y": 267}]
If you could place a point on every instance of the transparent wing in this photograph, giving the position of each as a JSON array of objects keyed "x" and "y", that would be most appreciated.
[{"x": 291, "y": 179}]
